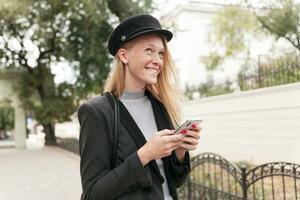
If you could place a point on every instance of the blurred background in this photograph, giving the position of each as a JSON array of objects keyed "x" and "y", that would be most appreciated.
[{"x": 239, "y": 70}]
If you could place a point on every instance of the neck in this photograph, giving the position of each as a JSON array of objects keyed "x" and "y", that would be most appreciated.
[
  {"x": 132, "y": 89},
  {"x": 132, "y": 95}
]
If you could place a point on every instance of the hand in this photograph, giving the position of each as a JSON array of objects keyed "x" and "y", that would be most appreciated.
[
  {"x": 160, "y": 145},
  {"x": 189, "y": 142}
]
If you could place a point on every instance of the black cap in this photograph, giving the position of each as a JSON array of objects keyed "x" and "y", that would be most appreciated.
[{"x": 133, "y": 27}]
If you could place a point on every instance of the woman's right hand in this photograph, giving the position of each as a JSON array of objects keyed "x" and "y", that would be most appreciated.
[{"x": 160, "y": 145}]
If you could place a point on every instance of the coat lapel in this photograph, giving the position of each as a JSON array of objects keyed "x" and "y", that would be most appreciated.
[
  {"x": 161, "y": 117},
  {"x": 134, "y": 131},
  {"x": 163, "y": 121}
]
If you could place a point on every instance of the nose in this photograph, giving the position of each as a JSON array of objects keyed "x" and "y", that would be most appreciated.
[{"x": 157, "y": 59}]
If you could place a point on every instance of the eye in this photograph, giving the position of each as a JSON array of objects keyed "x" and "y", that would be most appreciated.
[
  {"x": 161, "y": 54},
  {"x": 148, "y": 51}
]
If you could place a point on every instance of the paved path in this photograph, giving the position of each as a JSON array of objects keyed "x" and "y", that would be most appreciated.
[{"x": 48, "y": 173}]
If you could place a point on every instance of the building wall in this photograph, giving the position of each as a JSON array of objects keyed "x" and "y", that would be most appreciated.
[
  {"x": 259, "y": 126},
  {"x": 7, "y": 92},
  {"x": 192, "y": 23}
]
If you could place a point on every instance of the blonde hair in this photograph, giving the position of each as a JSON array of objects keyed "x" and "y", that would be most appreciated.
[{"x": 165, "y": 89}]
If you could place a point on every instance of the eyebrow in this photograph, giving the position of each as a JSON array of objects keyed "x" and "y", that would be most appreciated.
[{"x": 161, "y": 49}]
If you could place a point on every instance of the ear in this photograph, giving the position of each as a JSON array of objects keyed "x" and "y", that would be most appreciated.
[{"x": 123, "y": 55}]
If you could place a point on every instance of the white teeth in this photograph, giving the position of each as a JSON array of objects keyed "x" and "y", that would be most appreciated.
[{"x": 152, "y": 69}]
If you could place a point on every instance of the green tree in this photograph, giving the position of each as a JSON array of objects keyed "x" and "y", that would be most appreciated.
[
  {"x": 281, "y": 19},
  {"x": 212, "y": 61},
  {"x": 234, "y": 26},
  {"x": 232, "y": 29},
  {"x": 7, "y": 118},
  {"x": 37, "y": 35}
]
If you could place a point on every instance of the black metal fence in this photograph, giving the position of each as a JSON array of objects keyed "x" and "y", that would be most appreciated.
[
  {"x": 214, "y": 178},
  {"x": 271, "y": 74}
]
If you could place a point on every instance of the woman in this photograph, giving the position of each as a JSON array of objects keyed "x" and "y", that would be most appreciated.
[{"x": 151, "y": 160}]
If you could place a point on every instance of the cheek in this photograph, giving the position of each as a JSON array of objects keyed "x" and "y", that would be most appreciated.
[
  {"x": 138, "y": 61},
  {"x": 141, "y": 62},
  {"x": 136, "y": 68}
]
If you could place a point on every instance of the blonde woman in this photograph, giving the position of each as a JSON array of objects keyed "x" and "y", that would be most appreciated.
[{"x": 151, "y": 160}]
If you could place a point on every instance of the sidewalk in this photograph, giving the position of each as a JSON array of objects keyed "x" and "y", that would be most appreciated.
[{"x": 46, "y": 173}]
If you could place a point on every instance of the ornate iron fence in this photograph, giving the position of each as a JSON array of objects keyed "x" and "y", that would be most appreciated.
[
  {"x": 271, "y": 74},
  {"x": 214, "y": 178}
]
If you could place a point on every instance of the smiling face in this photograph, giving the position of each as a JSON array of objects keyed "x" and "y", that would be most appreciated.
[{"x": 143, "y": 59}]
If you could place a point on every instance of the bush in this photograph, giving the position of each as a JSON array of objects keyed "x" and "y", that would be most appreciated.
[{"x": 7, "y": 118}]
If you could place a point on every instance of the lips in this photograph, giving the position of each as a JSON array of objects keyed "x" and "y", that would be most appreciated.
[{"x": 156, "y": 70}]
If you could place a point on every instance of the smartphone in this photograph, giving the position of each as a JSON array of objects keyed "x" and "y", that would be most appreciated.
[{"x": 187, "y": 125}]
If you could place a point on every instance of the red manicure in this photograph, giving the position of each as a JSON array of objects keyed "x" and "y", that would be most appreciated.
[
  {"x": 183, "y": 131},
  {"x": 194, "y": 126}
]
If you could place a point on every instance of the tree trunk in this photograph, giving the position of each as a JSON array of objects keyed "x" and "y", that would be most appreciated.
[{"x": 50, "y": 134}]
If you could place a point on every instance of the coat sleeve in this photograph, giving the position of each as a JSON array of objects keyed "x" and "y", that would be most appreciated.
[
  {"x": 180, "y": 169},
  {"x": 99, "y": 181}
]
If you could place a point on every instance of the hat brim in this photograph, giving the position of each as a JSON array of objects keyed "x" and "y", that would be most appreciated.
[
  {"x": 165, "y": 33},
  {"x": 168, "y": 35}
]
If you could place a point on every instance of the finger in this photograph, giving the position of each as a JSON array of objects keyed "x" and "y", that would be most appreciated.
[
  {"x": 193, "y": 134},
  {"x": 165, "y": 132},
  {"x": 175, "y": 145},
  {"x": 190, "y": 140},
  {"x": 196, "y": 128},
  {"x": 174, "y": 138},
  {"x": 188, "y": 147}
]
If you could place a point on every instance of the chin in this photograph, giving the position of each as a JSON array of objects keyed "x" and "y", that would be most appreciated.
[{"x": 151, "y": 81}]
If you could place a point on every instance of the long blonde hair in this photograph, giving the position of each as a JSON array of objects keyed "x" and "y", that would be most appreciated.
[{"x": 166, "y": 88}]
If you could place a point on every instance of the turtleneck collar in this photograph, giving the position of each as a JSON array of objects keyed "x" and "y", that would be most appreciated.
[{"x": 132, "y": 95}]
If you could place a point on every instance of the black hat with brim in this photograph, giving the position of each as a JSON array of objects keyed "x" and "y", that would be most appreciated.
[{"x": 133, "y": 27}]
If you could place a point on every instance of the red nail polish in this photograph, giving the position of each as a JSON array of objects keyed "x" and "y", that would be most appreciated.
[
  {"x": 194, "y": 126},
  {"x": 183, "y": 131}
]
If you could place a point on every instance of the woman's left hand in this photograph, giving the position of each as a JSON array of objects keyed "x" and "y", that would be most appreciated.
[{"x": 189, "y": 142}]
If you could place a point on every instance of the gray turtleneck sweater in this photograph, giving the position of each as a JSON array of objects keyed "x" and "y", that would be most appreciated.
[{"x": 140, "y": 108}]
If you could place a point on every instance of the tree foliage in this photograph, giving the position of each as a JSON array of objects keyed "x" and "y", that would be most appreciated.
[
  {"x": 36, "y": 35},
  {"x": 232, "y": 27},
  {"x": 235, "y": 26},
  {"x": 7, "y": 118},
  {"x": 207, "y": 90},
  {"x": 212, "y": 61},
  {"x": 281, "y": 19}
]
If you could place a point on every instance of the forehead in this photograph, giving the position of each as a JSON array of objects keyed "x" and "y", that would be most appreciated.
[{"x": 149, "y": 39}]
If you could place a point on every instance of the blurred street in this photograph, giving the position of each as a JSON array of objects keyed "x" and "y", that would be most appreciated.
[{"x": 39, "y": 174}]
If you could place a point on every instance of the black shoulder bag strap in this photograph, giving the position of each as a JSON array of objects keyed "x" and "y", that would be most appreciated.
[{"x": 114, "y": 103}]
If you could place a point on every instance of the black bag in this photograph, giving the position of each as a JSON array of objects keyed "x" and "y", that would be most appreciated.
[{"x": 115, "y": 105}]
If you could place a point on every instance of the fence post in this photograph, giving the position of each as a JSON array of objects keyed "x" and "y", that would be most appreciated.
[{"x": 244, "y": 181}]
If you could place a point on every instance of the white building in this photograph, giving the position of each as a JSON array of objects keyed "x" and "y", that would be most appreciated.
[
  {"x": 192, "y": 23},
  {"x": 258, "y": 126}
]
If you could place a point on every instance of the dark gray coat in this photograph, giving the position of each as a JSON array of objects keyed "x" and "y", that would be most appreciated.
[{"x": 129, "y": 180}]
